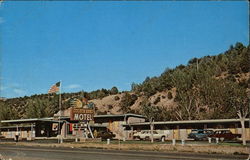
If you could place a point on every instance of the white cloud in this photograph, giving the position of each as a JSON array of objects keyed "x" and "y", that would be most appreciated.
[
  {"x": 3, "y": 88},
  {"x": 73, "y": 86},
  {"x": 19, "y": 91}
]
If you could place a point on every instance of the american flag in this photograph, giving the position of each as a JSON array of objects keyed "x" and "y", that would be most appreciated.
[{"x": 55, "y": 88}]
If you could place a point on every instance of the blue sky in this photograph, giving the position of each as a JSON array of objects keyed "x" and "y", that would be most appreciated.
[{"x": 94, "y": 45}]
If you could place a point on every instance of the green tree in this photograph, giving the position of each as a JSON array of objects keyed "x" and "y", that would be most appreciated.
[
  {"x": 156, "y": 112},
  {"x": 127, "y": 100},
  {"x": 5, "y": 112},
  {"x": 244, "y": 60},
  {"x": 136, "y": 88},
  {"x": 238, "y": 99},
  {"x": 38, "y": 108},
  {"x": 114, "y": 90}
]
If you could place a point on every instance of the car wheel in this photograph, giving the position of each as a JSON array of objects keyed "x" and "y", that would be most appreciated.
[
  {"x": 146, "y": 138},
  {"x": 163, "y": 138}
]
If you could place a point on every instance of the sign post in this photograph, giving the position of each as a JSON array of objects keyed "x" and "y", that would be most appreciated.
[{"x": 82, "y": 114}]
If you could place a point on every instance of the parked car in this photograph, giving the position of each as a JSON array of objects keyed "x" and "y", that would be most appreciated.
[
  {"x": 105, "y": 135},
  {"x": 224, "y": 134},
  {"x": 200, "y": 134},
  {"x": 1, "y": 136},
  {"x": 146, "y": 135}
]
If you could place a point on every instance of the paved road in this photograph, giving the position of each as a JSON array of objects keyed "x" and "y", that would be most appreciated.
[{"x": 41, "y": 153}]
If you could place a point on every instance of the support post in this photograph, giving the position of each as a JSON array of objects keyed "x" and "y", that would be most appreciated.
[
  {"x": 151, "y": 129},
  {"x": 209, "y": 140},
  {"x": 173, "y": 142},
  {"x": 217, "y": 140},
  {"x": 90, "y": 131},
  {"x": 183, "y": 142}
]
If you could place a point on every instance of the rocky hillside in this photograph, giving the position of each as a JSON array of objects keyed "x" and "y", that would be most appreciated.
[
  {"x": 206, "y": 88},
  {"x": 112, "y": 104}
]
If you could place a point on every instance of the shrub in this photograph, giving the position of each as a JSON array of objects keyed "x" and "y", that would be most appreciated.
[
  {"x": 117, "y": 98},
  {"x": 126, "y": 101},
  {"x": 157, "y": 100},
  {"x": 110, "y": 107},
  {"x": 170, "y": 96},
  {"x": 114, "y": 90},
  {"x": 243, "y": 83},
  {"x": 101, "y": 113},
  {"x": 231, "y": 78}
]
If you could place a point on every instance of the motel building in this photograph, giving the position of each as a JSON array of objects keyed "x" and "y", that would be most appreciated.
[
  {"x": 180, "y": 129},
  {"x": 70, "y": 127},
  {"x": 123, "y": 126}
]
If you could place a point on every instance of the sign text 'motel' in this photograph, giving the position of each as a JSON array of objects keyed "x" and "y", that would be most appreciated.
[{"x": 82, "y": 114}]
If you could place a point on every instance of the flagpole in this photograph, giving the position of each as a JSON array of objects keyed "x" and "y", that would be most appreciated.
[{"x": 60, "y": 114}]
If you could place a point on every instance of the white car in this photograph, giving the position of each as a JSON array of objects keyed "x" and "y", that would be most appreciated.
[{"x": 146, "y": 135}]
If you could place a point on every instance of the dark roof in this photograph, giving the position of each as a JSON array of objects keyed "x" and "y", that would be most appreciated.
[
  {"x": 188, "y": 122},
  {"x": 110, "y": 116},
  {"x": 119, "y": 115},
  {"x": 31, "y": 120},
  {"x": 10, "y": 127},
  {"x": 51, "y": 119}
]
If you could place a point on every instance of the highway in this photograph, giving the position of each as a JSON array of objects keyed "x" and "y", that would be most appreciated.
[{"x": 47, "y": 153}]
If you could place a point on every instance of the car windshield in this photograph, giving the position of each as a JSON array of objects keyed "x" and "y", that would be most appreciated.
[
  {"x": 209, "y": 131},
  {"x": 200, "y": 132},
  {"x": 194, "y": 131}
]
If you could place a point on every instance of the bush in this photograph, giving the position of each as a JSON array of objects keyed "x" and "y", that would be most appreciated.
[
  {"x": 243, "y": 83},
  {"x": 231, "y": 78},
  {"x": 114, "y": 90},
  {"x": 134, "y": 98},
  {"x": 157, "y": 100},
  {"x": 117, "y": 98},
  {"x": 170, "y": 95},
  {"x": 126, "y": 101},
  {"x": 101, "y": 113},
  {"x": 110, "y": 107}
]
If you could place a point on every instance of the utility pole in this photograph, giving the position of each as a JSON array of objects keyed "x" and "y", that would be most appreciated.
[{"x": 60, "y": 114}]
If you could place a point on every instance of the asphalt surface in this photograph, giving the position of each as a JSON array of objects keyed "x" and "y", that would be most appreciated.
[{"x": 47, "y": 153}]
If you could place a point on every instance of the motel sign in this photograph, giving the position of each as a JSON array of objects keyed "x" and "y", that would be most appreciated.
[{"x": 82, "y": 114}]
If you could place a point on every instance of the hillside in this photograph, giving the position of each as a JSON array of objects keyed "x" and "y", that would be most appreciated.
[{"x": 210, "y": 87}]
